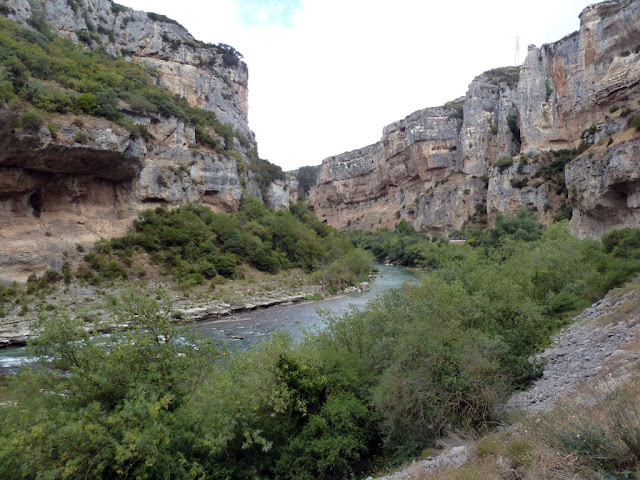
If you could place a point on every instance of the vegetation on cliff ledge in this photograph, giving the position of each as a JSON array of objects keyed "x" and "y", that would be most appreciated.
[{"x": 55, "y": 76}]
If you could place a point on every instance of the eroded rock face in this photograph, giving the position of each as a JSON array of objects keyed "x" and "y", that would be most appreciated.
[
  {"x": 536, "y": 196},
  {"x": 485, "y": 134},
  {"x": 569, "y": 85},
  {"x": 558, "y": 99},
  {"x": 283, "y": 192},
  {"x": 446, "y": 208},
  {"x": 604, "y": 188},
  {"x": 365, "y": 188},
  {"x": 56, "y": 193}
]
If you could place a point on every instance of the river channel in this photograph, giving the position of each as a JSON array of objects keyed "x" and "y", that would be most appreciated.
[{"x": 248, "y": 328}]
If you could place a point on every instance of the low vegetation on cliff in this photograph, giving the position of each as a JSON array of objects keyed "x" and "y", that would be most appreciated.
[
  {"x": 44, "y": 75},
  {"x": 373, "y": 388}
]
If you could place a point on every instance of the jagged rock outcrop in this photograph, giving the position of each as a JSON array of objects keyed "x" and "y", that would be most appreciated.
[
  {"x": 569, "y": 85},
  {"x": 605, "y": 189},
  {"x": 505, "y": 194},
  {"x": 283, "y": 192},
  {"x": 56, "y": 193},
  {"x": 485, "y": 134},
  {"x": 560, "y": 98},
  {"x": 90, "y": 178}
]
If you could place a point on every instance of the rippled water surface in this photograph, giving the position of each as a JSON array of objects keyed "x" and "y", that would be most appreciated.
[{"x": 248, "y": 328}]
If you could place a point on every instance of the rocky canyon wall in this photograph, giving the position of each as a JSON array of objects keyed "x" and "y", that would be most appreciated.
[
  {"x": 505, "y": 144},
  {"x": 91, "y": 177}
]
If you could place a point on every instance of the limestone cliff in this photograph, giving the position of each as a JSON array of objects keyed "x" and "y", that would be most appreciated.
[
  {"x": 200, "y": 72},
  {"x": 80, "y": 177},
  {"x": 505, "y": 144},
  {"x": 366, "y": 188}
]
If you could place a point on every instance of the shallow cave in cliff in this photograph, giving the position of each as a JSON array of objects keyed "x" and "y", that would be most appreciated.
[{"x": 35, "y": 203}]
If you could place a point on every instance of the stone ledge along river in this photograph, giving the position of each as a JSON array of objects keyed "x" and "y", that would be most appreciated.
[{"x": 245, "y": 329}]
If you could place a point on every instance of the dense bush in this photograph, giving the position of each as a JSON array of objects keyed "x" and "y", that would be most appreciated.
[
  {"x": 31, "y": 120},
  {"x": 103, "y": 406},
  {"x": 194, "y": 240},
  {"x": 504, "y": 163},
  {"x": 306, "y": 179}
]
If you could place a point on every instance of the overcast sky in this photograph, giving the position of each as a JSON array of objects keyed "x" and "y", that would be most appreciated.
[{"x": 325, "y": 76}]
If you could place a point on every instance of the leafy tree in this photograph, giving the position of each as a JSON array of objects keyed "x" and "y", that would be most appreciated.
[
  {"x": 523, "y": 226},
  {"x": 106, "y": 406}
]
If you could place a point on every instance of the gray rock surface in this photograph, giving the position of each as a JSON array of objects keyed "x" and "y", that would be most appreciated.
[
  {"x": 561, "y": 91},
  {"x": 601, "y": 346},
  {"x": 366, "y": 187},
  {"x": 604, "y": 187},
  {"x": 283, "y": 192},
  {"x": 491, "y": 98},
  {"x": 450, "y": 458},
  {"x": 536, "y": 196}
]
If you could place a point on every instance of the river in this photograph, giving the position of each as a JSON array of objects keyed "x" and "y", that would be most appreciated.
[{"x": 248, "y": 328}]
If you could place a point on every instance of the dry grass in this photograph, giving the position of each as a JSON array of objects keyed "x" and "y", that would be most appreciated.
[
  {"x": 629, "y": 309},
  {"x": 598, "y": 439},
  {"x": 603, "y": 432},
  {"x": 252, "y": 282},
  {"x": 513, "y": 455}
]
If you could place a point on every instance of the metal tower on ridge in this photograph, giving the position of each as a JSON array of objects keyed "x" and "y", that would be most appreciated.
[{"x": 517, "y": 50}]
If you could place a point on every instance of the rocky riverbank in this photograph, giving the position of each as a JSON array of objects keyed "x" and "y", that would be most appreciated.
[{"x": 92, "y": 304}]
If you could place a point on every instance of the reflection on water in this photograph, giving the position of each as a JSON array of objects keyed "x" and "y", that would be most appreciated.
[{"x": 248, "y": 328}]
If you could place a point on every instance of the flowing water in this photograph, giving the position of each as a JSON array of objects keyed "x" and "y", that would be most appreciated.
[{"x": 248, "y": 328}]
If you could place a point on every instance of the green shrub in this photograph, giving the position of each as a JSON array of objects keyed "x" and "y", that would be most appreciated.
[
  {"x": 265, "y": 261},
  {"x": 53, "y": 129},
  {"x": 31, "y": 120},
  {"x": 519, "y": 183},
  {"x": 623, "y": 243},
  {"x": 512, "y": 123},
  {"x": 503, "y": 163},
  {"x": 156, "y": 17},
  {"x": 307, "y": 178},
  {"x": 547, "y": 90},
  {"x": 565, "y": 213},
  {"x": 634, "y": 122},
  {"x": 46, "y": 97},
  {"x": 87, "y": 103},
  {"x": 141, "y": 131},
  {"x": 524, "y": 226},
  {"x": 81, "y": 137},
  {"x": 204, "y": 138}
]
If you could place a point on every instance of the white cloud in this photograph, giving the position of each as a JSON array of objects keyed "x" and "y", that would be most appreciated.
[{"x": 337, "y": 71}]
